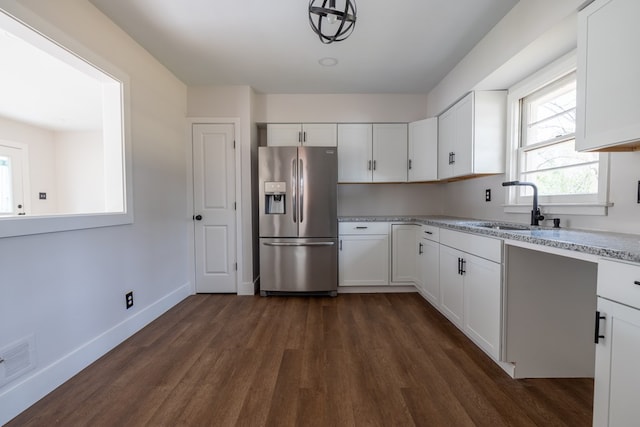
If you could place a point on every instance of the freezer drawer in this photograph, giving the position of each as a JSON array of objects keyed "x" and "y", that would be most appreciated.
[{"x": 298, "y": 265}]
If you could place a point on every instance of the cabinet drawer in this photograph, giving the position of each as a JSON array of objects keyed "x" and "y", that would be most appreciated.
[
  {"x": 430, "y": 232},
  {"x": 484, "y": 247},
  {"x": 619, "y": 281},
  {"x": 363, "y": 228}
]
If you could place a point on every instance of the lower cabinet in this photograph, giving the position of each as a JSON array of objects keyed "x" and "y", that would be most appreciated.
[
  {"x": 471, "y": 287},
  {"x": 428, "y": 277},
  {"x": 363, "y": 254},
  {"x": 404, "y": 253},
  {"x": 617, "y": 377}
]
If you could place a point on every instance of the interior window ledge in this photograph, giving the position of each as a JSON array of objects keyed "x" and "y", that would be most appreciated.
[{"x": 601, "y": 209}]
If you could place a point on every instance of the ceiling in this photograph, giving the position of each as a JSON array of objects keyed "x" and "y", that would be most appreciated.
[{"x": 399, "y": 46}]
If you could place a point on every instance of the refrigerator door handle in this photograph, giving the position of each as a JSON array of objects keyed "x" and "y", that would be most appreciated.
[
  {"x": 301, "y": 178},
  {"x": 294, "y": 186},
  {"x": 299, "y": 244}
]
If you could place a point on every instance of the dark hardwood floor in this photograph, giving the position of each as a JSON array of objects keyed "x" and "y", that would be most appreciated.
[{"x": 365, "y": 360}]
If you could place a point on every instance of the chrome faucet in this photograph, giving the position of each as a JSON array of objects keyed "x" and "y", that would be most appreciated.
[{"x": 535, "y": 211}]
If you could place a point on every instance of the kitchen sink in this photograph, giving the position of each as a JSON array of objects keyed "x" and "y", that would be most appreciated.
[{"x": 505, "y": 227}]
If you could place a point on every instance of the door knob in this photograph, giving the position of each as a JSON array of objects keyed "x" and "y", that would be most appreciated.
[{"x": 197, "y": 217}]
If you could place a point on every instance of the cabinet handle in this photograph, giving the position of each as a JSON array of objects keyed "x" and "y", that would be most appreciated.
[
  {"x": 451, "y": 157},
  {"x": 340, "y": 244},
  {"x": 428, "y": 232},
  {"x": 369, "y": 167},
  {"x": 420, "y": 245},
  {"x": 409, "y": 164},
  {"x": 636, "y": 282},
  {"x": 459, "y": 265},
  {"x": 463, "y": 266},
  {"x": 374, "y": 165},
  {"x": 299, "y": 136},
  {"x": 597, "y": 335},
  {"x": 304, "y": 136}
]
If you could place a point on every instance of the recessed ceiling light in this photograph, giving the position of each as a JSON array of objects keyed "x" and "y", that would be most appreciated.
[{"x": 328, "y": 61}]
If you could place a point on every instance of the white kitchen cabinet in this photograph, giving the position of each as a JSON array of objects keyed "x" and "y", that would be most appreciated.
[
  {"x": 451, "y": 285},
  {"x": 428, "y": 264},
  {"x": 483, "y": 303},
  {"x": 372, "y": 153},
  {"x": 617, "y": 377},
  {"x": 423, "y": 150},
  {"x": 471, "y": 136},
  {"x": 390, "y": 152},
  {"x": 608, "y": 95},
  {"x": 307, "y": 134},
  {"x": 363, "y": 258},
  {"x": 471, "y": 286},
  {"x": 404, "y": 253}
]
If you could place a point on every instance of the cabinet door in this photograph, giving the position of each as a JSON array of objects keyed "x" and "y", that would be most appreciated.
[
  {"x": 404, "y": 252},
  {"x": 608, "y": 96},
  {"x": 451, "y": 285},
  {"x": 429, "y": 271},
  {"x": 363, "y": 260},
  {"x": 423, "y": 150},
  {"x": 390, "y": 153},
  {"x": 446, "y": 141},
  {"x": 617, "y": 377},
  {"x": 319, "y": 134},
  {"x": 284, "y": 134},
  {"x": 463, "y": 143},
  {"x": 483, "y": 303},
  {"x": 354, "y": 152}
]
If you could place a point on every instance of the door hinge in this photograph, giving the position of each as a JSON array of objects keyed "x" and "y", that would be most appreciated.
[
  {"x": 236, "y": 266},
  {"x": 234, "y": 144},
  {"x": 235, "y": 206}
]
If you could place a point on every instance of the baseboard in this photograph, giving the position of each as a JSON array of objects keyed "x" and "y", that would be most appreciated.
[
  {"x": 375, "y": 289},
  {"x": 247, "y": 288},
  {"x": 34, "y": 387}
]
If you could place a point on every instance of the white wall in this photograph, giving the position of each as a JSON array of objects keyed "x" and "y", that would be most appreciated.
[
  {"x": 67, "y": 288},
  {"x": 79, "y": 159},
  {"x": 42, "y": 171},
  {"x": 390, "y": 199},
  {"x": 354, "y": 108}
]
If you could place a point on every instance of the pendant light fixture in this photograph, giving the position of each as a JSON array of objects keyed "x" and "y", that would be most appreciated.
[{"x": 330, "y": 23}]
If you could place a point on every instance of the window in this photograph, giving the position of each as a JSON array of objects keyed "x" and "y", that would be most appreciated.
[
  {"x": 63, "y": 145},
  {"x": 543, "y": 122}
]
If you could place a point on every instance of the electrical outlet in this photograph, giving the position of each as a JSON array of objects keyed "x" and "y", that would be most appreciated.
[
  {"x": 129, "y": 299},
  {"x": 42, "y": 196},
  {"x": 487, "y": 195}
]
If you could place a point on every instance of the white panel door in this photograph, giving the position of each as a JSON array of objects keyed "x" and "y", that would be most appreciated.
[
  {"x": 214, "y": 207},
  {"x": 404, "y": 252},
  {"x": 354, "y": 152},
  {"x": 463, "y": 148},
  {"x": 11, "y": 181}
]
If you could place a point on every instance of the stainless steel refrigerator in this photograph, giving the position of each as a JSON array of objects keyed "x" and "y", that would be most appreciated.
[{"x": 298, "y": 219}]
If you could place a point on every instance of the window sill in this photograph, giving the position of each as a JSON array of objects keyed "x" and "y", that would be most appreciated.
[
  {"x": 595, "y": 209},
  {"x": 28, "y": 225}
]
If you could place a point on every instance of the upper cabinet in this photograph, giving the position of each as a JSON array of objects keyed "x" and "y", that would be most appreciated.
[
  {"x": 471, "y": 136},
  {"x": 307, "y": 134},
  {"x": 608, "y": 99},
  {"x": 423, "y": 150},
  {"x": 372, "y": 153}
]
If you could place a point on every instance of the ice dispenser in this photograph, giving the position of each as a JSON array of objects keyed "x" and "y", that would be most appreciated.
[{"x": 275, "y": 195}]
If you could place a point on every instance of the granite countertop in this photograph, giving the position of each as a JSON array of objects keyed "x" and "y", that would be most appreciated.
[{"x": 602, "y": 244}]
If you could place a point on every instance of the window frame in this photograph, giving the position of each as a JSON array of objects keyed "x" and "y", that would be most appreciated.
[
  {"x": 558, "y": 204},
  {"x": 53, "y": 38}
]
